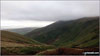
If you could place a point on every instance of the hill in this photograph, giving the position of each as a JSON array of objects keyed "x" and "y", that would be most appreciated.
[
  {"x": 13, "y": 39},
  {"x": 81, "y": 33},
  {"x": 21, "y": 30},
  {"x": 16, "y": 44}
]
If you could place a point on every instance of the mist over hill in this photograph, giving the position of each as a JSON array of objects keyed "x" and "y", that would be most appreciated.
[{"x": 22, "y": 30}]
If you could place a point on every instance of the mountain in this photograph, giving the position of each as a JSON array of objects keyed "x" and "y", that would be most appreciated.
[
  {"x": 81, "y": 33},
  {"x": 21, "y": 30}
]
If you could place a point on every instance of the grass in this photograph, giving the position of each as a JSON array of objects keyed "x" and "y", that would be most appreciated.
[{"x": 29, "y": 50}]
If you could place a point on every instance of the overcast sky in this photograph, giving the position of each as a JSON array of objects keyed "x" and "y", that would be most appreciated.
[{"x": 19, "y": 14}]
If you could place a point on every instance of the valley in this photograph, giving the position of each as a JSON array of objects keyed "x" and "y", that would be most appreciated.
[{"x": 73, "y": 37}]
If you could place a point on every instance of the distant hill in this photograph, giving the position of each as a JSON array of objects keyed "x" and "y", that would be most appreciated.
[
  {"x": 21, "y": 30},
  {"x": 81, "y": 33}
]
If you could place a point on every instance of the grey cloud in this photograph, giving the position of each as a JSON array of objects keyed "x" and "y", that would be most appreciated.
[{"x": 48, "y": 10}]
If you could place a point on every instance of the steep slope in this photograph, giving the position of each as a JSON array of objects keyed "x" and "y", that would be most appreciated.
[
  {"x": 21, "y": 30},
  {"x": 83, "y": 32}
]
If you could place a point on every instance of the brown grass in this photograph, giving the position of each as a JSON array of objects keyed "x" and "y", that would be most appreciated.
[
  {"x": 68, "y": 51},
  {"x": 63, "y": 51}
]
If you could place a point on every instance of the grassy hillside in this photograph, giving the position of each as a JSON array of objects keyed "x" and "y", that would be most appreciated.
[
  {"x": 8, "y": 38},
  {"x": 16, "y": 44},
  {"x": 83, "y": 32}
]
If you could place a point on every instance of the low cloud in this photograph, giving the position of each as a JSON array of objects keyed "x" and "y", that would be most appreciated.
[
  {"x": 48, "y": 10},
  {"x": 19, "y": 14}
]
